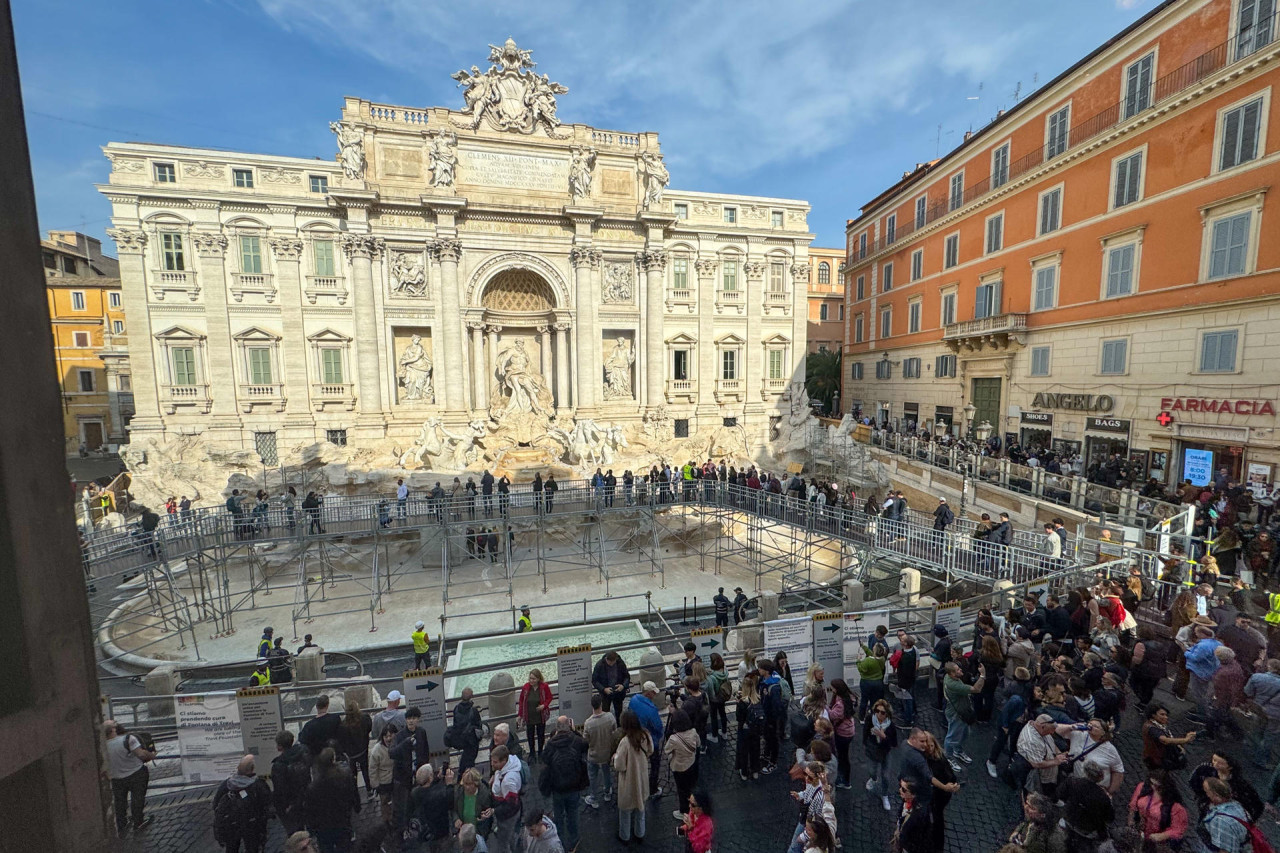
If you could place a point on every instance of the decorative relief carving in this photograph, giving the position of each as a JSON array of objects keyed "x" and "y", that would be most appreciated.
[
  {"x": 209, "y": 244},
  {"x": 277, "y": 175},
  {"x": 800, "y": 273},
  {"x": 350, "y": 149},
  {"x": 286, "y": 248},
  {"x": 706, "y": 208},
  {"x": 443, "y": 158},
  {"x": 408, "y": 274},
  {"x": 128, "y": 240},
  {"x": 509, "y": 95},
  {"x": 580, "y": 165},
  {"x": 446, "y": 250},
  {"x": 202, "y": 169},
  {"x": 122, "y": 164},
  {"x": 755, "y": 211},
  {"x": 655, "y": 177},
  {"x": 796, "y": 216},
  {"x": 753, "y": 269},
  {"x": 619, "y": 283}
]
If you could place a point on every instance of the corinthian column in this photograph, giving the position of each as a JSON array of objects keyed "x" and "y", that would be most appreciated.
[
  {"x": 448, "y": 252},
  {"x": 360, "y": 249},
  {"x": 562, "y": 368},
  {"x": 587, "y": 381},
  {"x": 655, "y": 374},
  {"x": 477, "y": 365}
]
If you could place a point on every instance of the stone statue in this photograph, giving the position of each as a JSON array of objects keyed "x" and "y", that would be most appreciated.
[
  {"x": 350, "y": 149},
  {"x": 443, "y": 158},
  {"x": 437, "y": 445},
  {"x": 617, "y": 371},
  {"x": 415, "y": 372},
  {"x": 655, "y": 177},
  {"x": 407, "y": 275},
  {"x": 525, "y": 390},
  {"x": 580, "y": 166},
  {"x": 508, "y": 95}
]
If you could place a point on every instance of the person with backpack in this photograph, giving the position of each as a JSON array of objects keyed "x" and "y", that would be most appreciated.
[
  {"x": 328, "y": 803},
  {"x": 647, "y": 712},
  {"x": 695, "y": 703},
  {"x": 429, "y": 804},
  {"x": 681, "y": 749},
  {"x": 290, "y": 777},
  {"x": 466, "y": 731},
  {"x": 599, "y": 731},
  {"x": 774, "y": 706},
  {"x": 241, "y": 809},
  {"x": 127, "y": 758},
  {"x": 905, "y": 662},
  {"x": 1225, "y": 824},
  {"x": 382, "y": 771},
  {"x": 719, "y": 691},
  {"x": 751, "y": 723},
  {"x": 565, "y": 777},
  {"x": 353, "y": 741},
  {"x": 611, "y": 680}
]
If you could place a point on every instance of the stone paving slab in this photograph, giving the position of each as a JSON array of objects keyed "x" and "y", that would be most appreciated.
[{"x": 758, "y": 815}]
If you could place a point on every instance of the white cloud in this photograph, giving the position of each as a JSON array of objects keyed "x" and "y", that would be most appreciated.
[
  {"x": 1128, "y": 4},
  {"x": 730, "y": 88}
]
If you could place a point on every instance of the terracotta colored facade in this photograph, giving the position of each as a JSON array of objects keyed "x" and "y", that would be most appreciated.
[
  {"x": 826, "y": 299},
  {"x": 1105, "y": 237}
]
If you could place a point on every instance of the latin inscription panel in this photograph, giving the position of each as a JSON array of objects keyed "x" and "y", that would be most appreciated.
[{"x": 513, "y": 171}]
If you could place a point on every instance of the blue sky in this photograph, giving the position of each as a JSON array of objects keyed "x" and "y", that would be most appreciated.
[{"x": 824, "y": 101}]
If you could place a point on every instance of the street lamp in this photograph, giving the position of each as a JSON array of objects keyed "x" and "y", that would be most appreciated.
[{"x": 969, "y": 411}]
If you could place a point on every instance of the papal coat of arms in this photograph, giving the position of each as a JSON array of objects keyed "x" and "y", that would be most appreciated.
[{"x": 510, "y": 96}]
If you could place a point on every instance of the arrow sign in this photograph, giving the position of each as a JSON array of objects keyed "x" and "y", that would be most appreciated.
[
  {"x": 428, "y": 686},
  {"x": 711, "y": 644},
  {"x": 832, "y": 628}
]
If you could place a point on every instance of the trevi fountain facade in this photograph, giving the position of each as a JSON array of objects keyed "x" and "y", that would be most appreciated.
[{"x": 457, "y": 289}]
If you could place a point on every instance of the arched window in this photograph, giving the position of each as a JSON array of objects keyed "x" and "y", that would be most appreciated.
[{"x": 824, "y": 273}]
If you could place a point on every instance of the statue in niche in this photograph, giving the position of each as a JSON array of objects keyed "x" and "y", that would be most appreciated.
[
  {"x": 350, "y": 149},
  {"x": 526, "y": 391},
  {"x": 617, "y": 371},
  {"x": 584, "y": 160},
  {"x": 443, "y": 158},
  {"x": 655, "y": 177},
  {"x": 407, "y": 275},
  {"x": 414, "y": 372}
]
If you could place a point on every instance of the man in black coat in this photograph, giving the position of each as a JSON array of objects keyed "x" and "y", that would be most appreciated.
[
  {"x": 612, "y": 680},
  {"x": 564, "y": 777},
  {"x": 321, "y": 728},
  {"x": 468, "y": 728},
  {"x": 409, "y": 751}
]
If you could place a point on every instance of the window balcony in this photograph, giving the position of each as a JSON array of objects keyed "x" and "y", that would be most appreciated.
[
  {"x": 681, "y": 298},
  {"x": 775, "y": 300},
  {"x": 164, "y": 282},
  {"x": 325, "y": 285},
  {"x": 729, "y": 389},
  {"x": 770, "y": 388},
  {"x": 997, "y": 332},
  {"x": 172, "y": 397},
  {"x": 732, "y": 300},
  {"x": 261, "y": 395},
  {"x": 328, "y": 394},
  {"x": 261, "y": 284},
  {"x": 682, "y": 389}
]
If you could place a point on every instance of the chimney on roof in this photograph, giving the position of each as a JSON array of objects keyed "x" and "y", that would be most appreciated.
[
  {"x": 999, "y": 114},
  {"x": 968, "y": 134}
]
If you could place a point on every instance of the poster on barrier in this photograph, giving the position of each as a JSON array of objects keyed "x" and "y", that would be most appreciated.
[
  {"x": 574, "y": 682},
  {"x": 424, "y": 689},
  {"x": 948, "y": 615},
  {"x": 708, "y": 640},
  {"x": 209, "y": 742},
  {"x": 828, "y": 644},
  {"x": 793, "y": 636},
  {"x": 261, "y": 720}
]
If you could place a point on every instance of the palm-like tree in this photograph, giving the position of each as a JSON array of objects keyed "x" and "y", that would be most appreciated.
[{"x": 822, "y": 376}]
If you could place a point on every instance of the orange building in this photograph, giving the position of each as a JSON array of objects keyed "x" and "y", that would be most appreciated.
[
  {"x": 1092, "y": 270},
  {"x": 826, "y": 299}
]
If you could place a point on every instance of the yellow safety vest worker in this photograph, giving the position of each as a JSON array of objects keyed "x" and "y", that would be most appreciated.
[
  {"x": 260, "y": 679},
  {"x": 1273, "y": 615},
  {"x": 420, "y": 642},
  {"x": 525, "y": 624}
]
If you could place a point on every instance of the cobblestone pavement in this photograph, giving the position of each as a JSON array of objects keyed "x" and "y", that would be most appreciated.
[{"x": 758, "y": 815}]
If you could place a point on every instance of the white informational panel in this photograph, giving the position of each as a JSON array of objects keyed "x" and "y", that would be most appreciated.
[
  {"x": 857, "y": 628},
  {"x": 828, "y": 644},
  {"x": 261, "y": 720},
  {"x": 950, "y": 617},
  {"x": 793, "y": 636},
  {"x": 574, "y": 683},
  {"x": 709, "y": 641},
  {"x": 209, "y": 741},
  {"x": 424, "y": 690}
]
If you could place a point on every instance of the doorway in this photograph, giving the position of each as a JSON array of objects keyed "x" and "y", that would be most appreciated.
[
  {"x": 92, "y": 434},
  {"x": 986, "y": 402}
]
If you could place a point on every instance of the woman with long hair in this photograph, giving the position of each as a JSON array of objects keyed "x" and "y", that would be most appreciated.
[
  {"x": 984, "y": 702},
  {"x": 750, "y": 718},
  {"x": 879, "y": 738},
  {"x": 940, "y": 767},
  {"x": 841, "y": 712},
  {"x": 631, "y": 780},
  {"x": 914, "y": 833},
  {"x": 1228, "y": 769},
  {"x": 681, "y": 748},
  {"x": 353, "y": 738},
  {"x": 818, "y": 837},
  {"x": 1156, "y": 811},
  {"x": 717, "y": 695},
  {"x": 698, "y": 828},
  {"x": 533, "y": 709}
]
